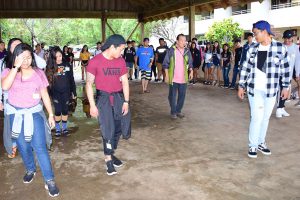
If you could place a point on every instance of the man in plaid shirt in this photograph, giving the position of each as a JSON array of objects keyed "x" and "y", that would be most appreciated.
[{"x": 265, "y": 63}]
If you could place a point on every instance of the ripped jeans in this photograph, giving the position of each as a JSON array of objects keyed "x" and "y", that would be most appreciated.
[{"x": 261, "y": 108}]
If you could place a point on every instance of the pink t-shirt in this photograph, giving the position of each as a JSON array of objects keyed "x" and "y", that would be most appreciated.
[
  {"x": 179, "y": 68},
  {"x": 26, "y": 93},
  {"x": 107, "y": 73}
]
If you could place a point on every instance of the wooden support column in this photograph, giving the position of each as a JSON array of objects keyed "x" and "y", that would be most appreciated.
[
  {"x": 103, "y": 27},
  {"x": 110, "y": 28},
  {"x": 142, "y": 31},
  {"x": 132, "y": 32},
  {"x": 191, "y": 22}
]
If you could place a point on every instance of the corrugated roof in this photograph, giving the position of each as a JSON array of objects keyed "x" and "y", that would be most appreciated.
[{"x": 144, "y": 10}]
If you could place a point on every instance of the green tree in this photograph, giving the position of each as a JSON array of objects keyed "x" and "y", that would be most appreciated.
[
  {"x": 165, "y": 29},
  {"x": 67, "y": 31},
  {"x": 224, "y": 32}
]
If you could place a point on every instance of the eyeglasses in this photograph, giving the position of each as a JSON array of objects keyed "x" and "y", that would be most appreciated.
[{"x": 256, "y": 33}]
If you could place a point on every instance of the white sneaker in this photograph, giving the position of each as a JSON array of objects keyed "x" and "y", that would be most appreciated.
[
  {"x": 284, "y": 113},
  {"x": 252, "y": 152},
  {"x": 279, "y": 113}
]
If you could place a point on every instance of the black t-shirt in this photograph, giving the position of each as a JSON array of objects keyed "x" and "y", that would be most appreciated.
[
  {"x": 71, "y": 55},
  {"x": 226, "y": 58},
  {"x": 238, "y": 55},
  {"x": 64, "y": 79},
  {"x": 161, "y": 53},
  {"x": 66, "y": 57},
  {"x": 196, "y": 57},
  {"x": 261, "y": 59},
  {"x": 129, "y": 54}
]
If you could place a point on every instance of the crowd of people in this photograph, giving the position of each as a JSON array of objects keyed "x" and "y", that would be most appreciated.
[{"x": 32, "y": 80}]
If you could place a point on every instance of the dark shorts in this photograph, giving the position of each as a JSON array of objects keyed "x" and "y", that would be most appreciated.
[
  {"x": 129, "y": 65},
  {"x": 84, "y": 63},
  {"x": 61, "y": 102},
  {"x": 208, "y": 65}
]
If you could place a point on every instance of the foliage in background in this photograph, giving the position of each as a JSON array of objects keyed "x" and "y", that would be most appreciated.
[
  {"x": 67, "y": 31},
  {"x": 225, "y": 31},
  {"x": 165, "y": 29}
]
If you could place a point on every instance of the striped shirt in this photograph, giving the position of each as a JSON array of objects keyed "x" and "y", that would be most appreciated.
[{"x": 277, "y": 66}]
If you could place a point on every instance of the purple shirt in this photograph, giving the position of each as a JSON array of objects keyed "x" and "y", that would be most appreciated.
[{"x": 3, "y": 54}]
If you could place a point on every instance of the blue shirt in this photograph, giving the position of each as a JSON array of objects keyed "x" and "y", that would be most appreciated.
[{"x": 145, "y": 54}]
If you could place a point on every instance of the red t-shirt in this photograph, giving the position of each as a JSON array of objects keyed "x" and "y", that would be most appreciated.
[{"x": 107, "y": 73}]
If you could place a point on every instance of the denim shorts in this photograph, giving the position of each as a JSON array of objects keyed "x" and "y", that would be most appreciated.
[
  {"x": 208, "y": 65},
  {"x": 129, "y": 65}
]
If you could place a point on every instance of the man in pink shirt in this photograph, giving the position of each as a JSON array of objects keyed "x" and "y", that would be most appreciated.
[{"x": 177, "y": 62}]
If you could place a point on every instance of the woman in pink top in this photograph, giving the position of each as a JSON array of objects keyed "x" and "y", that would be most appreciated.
[{"x": 27, "y": 86}]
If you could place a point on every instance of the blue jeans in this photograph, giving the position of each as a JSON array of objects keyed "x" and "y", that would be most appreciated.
[
  {"x": 226, "y": 71},
  {"x": 261, "y": 108},
  {"x": 235, "y": 74},
  {"x": 38, "y": 144},
  {"x": 176, "y": 104}
]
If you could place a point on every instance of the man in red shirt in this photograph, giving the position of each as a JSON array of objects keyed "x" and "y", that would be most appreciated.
[{"x": 109, "y": 73}]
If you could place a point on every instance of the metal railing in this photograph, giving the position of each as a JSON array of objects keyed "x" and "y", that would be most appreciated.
[
  {"x": 285, "y": 5},
  {"x": 240, "y": 12}
]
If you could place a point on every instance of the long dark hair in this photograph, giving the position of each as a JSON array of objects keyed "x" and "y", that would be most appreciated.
[
  {"x": 51, "y": 64},
  {"x": 216, "y": 49},
  {"x": 194, "y": 44},
  {"x": 85, "y": 46},
  {"x": 8, "y": 58},
  {"x": 64, "y": 49},
  {"x": 20, "y": 48},
  {"x": 208, "y": 49},
  {"x": 227, "y": 51}
]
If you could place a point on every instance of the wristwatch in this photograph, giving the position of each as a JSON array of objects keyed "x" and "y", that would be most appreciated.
[{"x": 126, "y": 102}]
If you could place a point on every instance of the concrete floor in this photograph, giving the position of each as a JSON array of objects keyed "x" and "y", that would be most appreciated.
[{"x": 203, "y": 156}]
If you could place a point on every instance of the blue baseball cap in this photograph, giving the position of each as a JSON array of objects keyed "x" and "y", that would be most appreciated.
[{"x": 263, "y": 25}]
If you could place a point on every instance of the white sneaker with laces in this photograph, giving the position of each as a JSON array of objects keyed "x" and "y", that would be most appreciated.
[
  {"x": 252, "y": 152},
  {"x": 284, "y": 113}
]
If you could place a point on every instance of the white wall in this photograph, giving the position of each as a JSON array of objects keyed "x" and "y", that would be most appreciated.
[{"x": 280, "y": 18}]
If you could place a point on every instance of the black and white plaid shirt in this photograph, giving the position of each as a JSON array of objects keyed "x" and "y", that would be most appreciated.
[{"x": 277, "y": 66}]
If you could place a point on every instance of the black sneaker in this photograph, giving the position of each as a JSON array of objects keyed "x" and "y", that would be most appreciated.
[
  {"x": 110, "y": 169},
  {"x": 252, "y": 153},
  {"x": 65, "y": 132},
  {"x": 264, "y": 149},
  {"x": 116, "y": 161},
  {"x": 57, "y": 134},
  {"x": 52, "y": 188},
  {"x": 28, "y": 177}
]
